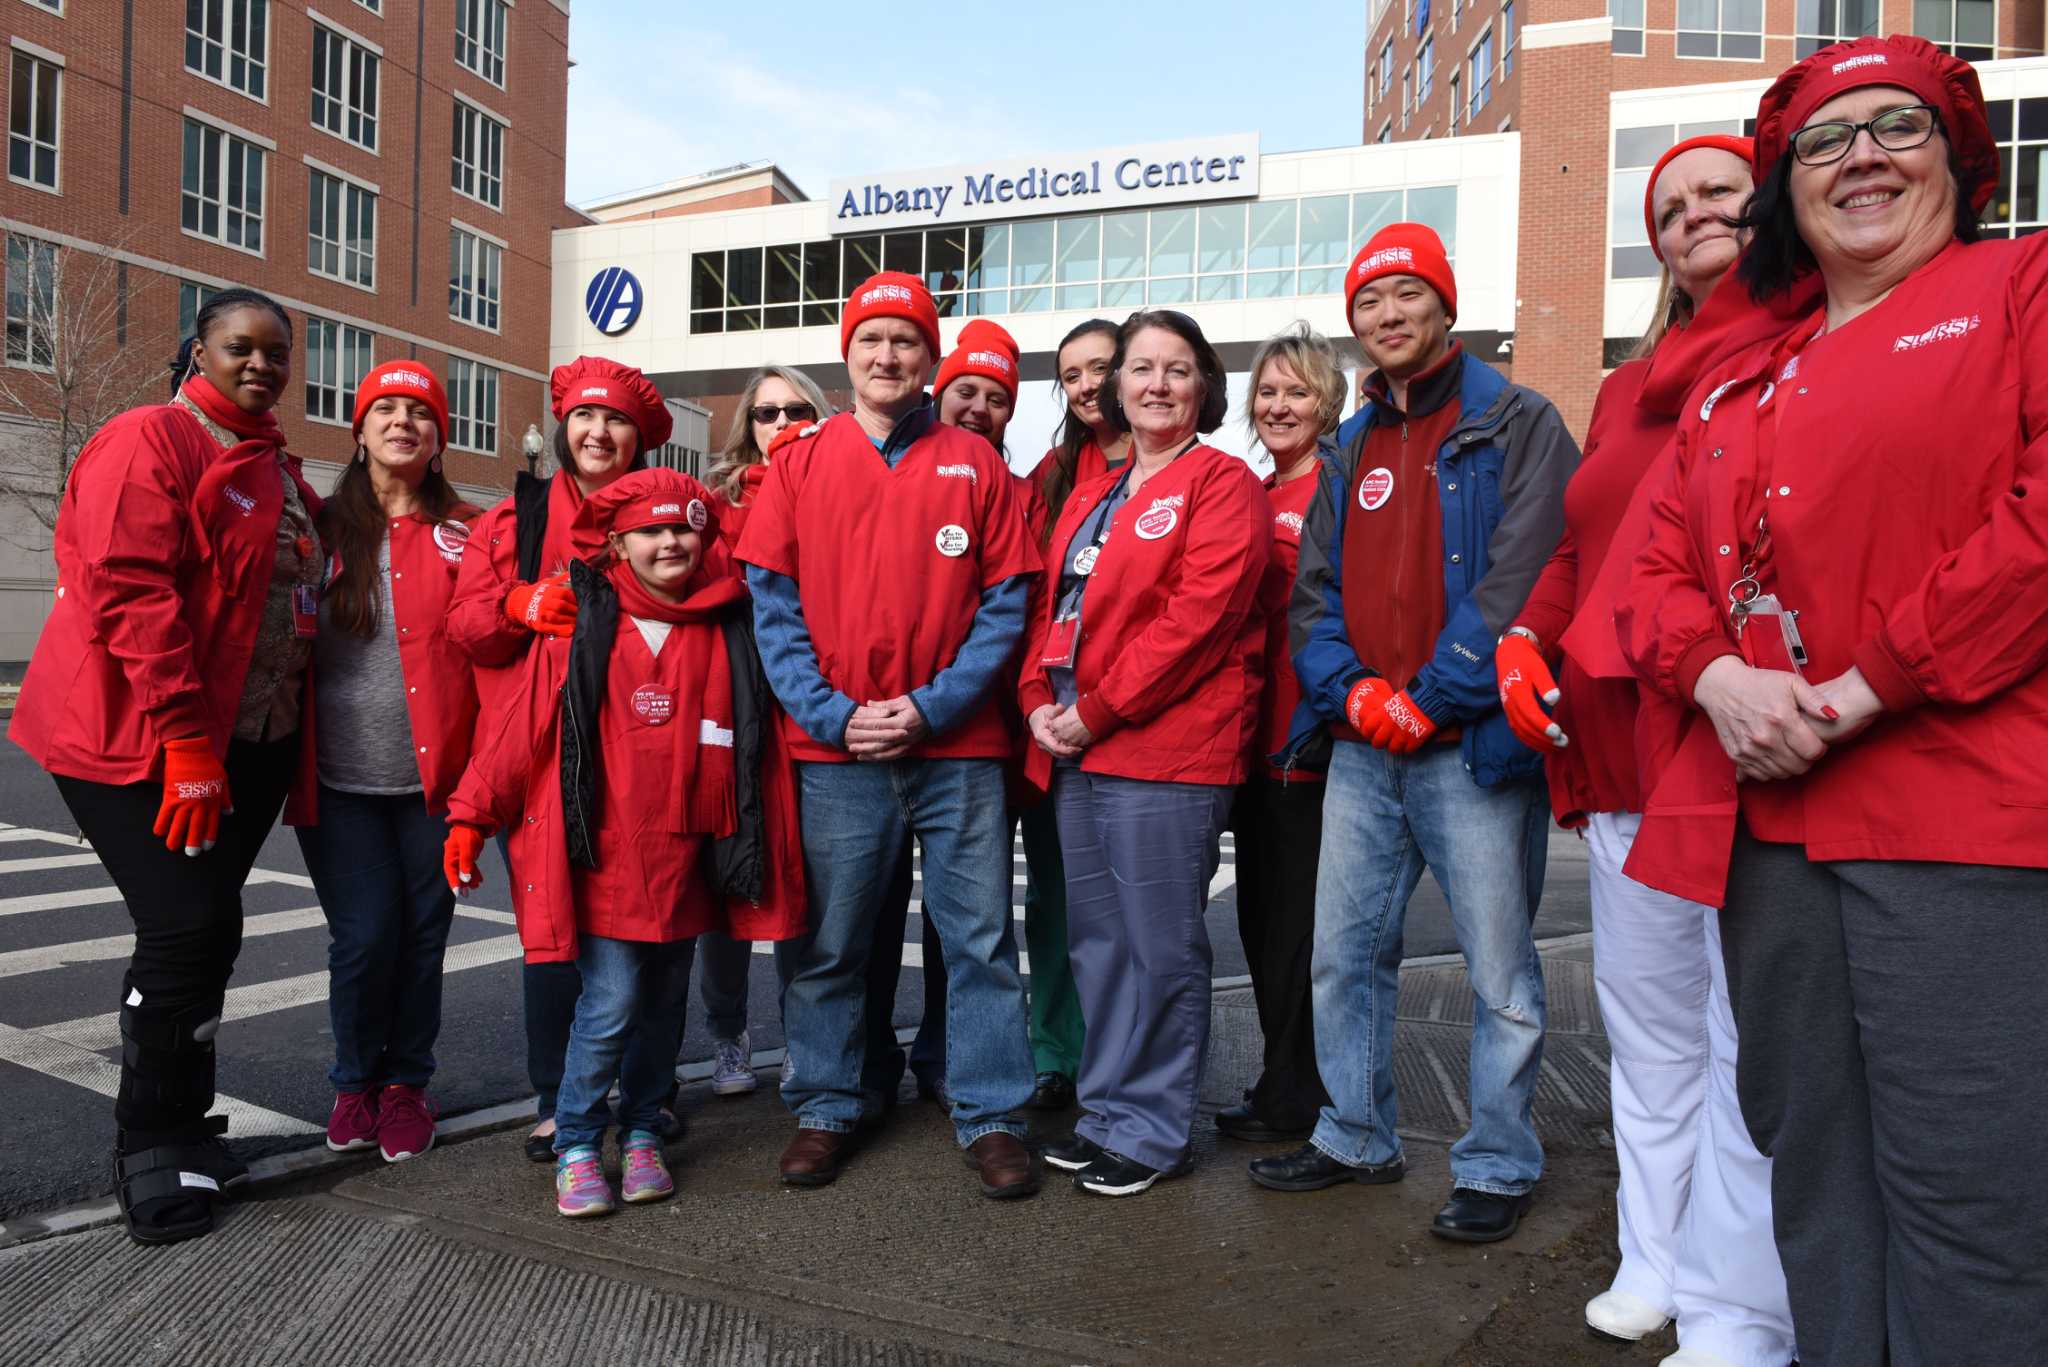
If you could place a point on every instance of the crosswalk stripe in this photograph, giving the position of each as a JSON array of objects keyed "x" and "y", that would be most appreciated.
[
  {"x": 108, "y": 894},
  {"x": 48, "y": 861},
  {"x": 81, "y": 1067},
  {"x": 14, "y": 963}
]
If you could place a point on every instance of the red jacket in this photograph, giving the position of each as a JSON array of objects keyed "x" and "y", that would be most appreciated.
[
  {"x": 1908, "y": 507},
  {"x": 1288, "y": 504},
  {"x": 164, "y": 548},
  {"x": 1170, "y": 658},
  {"x": 490, "y": 567}
]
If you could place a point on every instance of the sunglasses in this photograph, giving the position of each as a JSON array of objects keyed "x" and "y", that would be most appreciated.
[
  {"x": 795, "y": 412},
  {"x": 1895, "y": 130}
]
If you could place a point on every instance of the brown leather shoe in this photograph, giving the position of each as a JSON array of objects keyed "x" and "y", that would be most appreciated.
[
  {"x": 1006, "y": 1168},
  {"x": 814, "y": 1157}
]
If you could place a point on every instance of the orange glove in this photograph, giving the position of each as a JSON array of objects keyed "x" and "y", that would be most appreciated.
[
  {"x": 1399, "y": 727},
  {"x": 458, "y": 858},
  {"x": 195, "y": 794},
  {"x": 1526, "y": 689},
  {"x": 548, "y": 608},
  {"x": 1364, "y": 702}
]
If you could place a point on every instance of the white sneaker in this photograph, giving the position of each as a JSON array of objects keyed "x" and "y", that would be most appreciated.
[
  {"x": 1695, "y": 1357},
  {"x": 1624, "y": 1315},
  {"x": 732, "y": 1068}
]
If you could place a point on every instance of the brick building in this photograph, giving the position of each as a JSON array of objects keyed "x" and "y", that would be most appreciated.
[
  {"x": 389, "y": 170},
  {"x": 1598, "y": 88}
]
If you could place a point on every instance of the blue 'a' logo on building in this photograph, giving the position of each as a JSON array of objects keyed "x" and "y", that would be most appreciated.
[{"x": 612, "y": 302}]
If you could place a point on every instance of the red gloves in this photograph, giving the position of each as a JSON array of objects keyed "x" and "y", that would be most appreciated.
[
  {"x": 1397, "y": 725},
  {"x": 459, "y": 856},
  {"x": 195, "y": 794},
  {"x": 1526, "y": 688},
  {"x": 1364, "y": 702},
  {"x": 548, "y": 607}
]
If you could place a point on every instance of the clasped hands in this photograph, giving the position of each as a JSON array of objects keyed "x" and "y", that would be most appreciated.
[{"x": 883, "y": 731}]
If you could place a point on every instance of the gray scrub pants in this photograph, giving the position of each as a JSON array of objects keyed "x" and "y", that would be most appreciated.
[
  {"x": 1894, "y": 1065},
  {"x": 1139, "y": 857}
]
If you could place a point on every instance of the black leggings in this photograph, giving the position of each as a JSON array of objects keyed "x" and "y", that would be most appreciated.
[{"x": 188, "y": 926}]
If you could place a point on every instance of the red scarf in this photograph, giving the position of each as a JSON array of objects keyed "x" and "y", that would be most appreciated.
[{"x": 202, "y": 394}]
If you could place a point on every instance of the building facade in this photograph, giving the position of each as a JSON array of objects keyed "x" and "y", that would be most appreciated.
[{"x": 389, "y": 170}]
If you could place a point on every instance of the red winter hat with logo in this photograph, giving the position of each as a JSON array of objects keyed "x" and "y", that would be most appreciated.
[
  {"x": 1403, "y": 249},
  {"x": 657, "y": 497},
  {"x": 890, "y": 294},
  {"x": 402, "y": 380},
  {"x": 1912, "y": 64},
  {"x": 1720, "y": 142},
  {"x": 621, "y": 388},
  {"x": 986, "y": 349}
]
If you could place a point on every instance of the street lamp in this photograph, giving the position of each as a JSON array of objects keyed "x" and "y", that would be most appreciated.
[{"x": 532, "y": 443}]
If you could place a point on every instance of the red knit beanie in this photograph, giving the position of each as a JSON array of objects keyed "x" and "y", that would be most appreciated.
[
  {"x": 986, "y": 349},
  {"x": 1741, "y": 147},
  {"x": 1403, "y": 249},
  {"x": 890, "y": 294},
  {"x": 1913, "y": 64},
  {"x": 402, "y": 380},
  {"x": 654, "y": 497},
  {"x": 621, "y": 388}
]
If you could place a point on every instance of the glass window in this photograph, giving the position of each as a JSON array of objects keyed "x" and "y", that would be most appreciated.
[
  {"x": 1507, "y": 40},
  {"x": 1628, "y": 27},
  {"x": 1124, "y": 294},
  {"x": 743, "y": 270},
  {"x": 479, "y": 155},
  {"x": 1173, "y": 241},
  {"x": 1437, "y": 207},
  {"x": 1030, "y": 266},
  {"x": 1425, "y": 69},
  {"x": 337, "y": 358},
  {"x": 1272, "y": 235},
  {"x": 341, "y": 230},
  {"x": 1080, "y": 251},
  {"x": 31, "y": 302},
  {"x": 1123, "y": 245},
  {"x": 707, "y": 280},
  {"x": 903, "y": 252},
  {"x": 1481, "y": 85},
  {"x": 344, "y": 88},
  {"x": 1731, "y": 127},
  {"x": 1370, "y": 212},
  {"x": 1963, "y": 27},
  {"x": 1324, "y": 225},
  {"x": 32, "y": 120},
  {"x": 945, "y": 261},
  {"x": 863, "y": 259},
  {"x": 1633, "y": 258},
  {"x": 228, "y": 41},
  {"x": 472, "y": 406},
  {"x": 480, "y": 38},
  {"x": 1821, "y": 22},
  {"x": 191, "y": 299},
  {"x": 784, "y": 286},
  {"x": 1324, "y": 280},
  {"x": 823, "y": 293},
  {"x": 475, "y": 278},
  {"x": 1176, "y": 290},
  {"x": 1221, "y": 238},
  {"x": 1221, "y": 287},
  {"x": 1721, "y": 28},
  {"x": 1641, "y": 146},
  {"x": 988, "y": 269},
  {"x": 1269, "y": 284},
  {"x": 1079, "y": 296},
  {"x": 222, "y": 187}
]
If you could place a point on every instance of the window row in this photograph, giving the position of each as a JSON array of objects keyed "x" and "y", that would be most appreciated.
[
  {"x": 33, "y": 90},
  {"x": 228, "y": 41},
  {"x": 1472, "y": 88},
  {"x": 1263, "y": 250},
  {"x": 1733, "y": 30}
]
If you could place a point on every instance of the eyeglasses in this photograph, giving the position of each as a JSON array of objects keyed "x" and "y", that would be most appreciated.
[
  {"x": 1895, "y": 130},
  {"x": 795, "y": 412}
]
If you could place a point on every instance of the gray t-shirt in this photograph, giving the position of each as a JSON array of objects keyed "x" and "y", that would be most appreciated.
[{"x": 364, "y": 734}]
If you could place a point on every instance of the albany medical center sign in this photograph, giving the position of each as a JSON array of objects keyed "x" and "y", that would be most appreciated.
[{"x": 1223, "y": 167}]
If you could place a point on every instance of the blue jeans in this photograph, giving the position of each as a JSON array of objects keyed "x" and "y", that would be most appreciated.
[
  {"x": 856, "y": 817},
  {"x": 376, "y": 865},
  {"x": 1139, "y": 856},
  {"x": 633, "y": 991},
  {"x": 1384, "y": 818}
]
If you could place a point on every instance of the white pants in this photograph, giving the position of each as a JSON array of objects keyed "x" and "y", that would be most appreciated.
[{"x": 1695, "y": 1197}]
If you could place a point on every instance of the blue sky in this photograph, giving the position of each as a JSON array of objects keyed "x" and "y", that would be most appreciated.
[{"x": 668, "y": 88}]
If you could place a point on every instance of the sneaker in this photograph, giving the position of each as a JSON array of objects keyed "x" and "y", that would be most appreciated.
[
  {"x": 646, "y": 1176},
  {"x": 353, "y": 1123},
  {"x": 1115, "y": 1175},
  {"x": 1072, "y": 1153},
  {"x": 732, "y": 1068},
  {"x": 580, "y": 1188},
  {"x": 405, "y": 1123}
]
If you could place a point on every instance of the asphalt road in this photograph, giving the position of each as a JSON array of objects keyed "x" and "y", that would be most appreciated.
[{"x": 61, "y": 960}]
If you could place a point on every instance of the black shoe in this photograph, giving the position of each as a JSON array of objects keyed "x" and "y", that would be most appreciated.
[
  {"x": 1112, "y": 1174},
  {"x": 1310, "y": 1169},
  {"x": 1072, "y": 1153},
  {"x": 1479, "y": 1217},
  {"x": 1055, "y": 1092},
  {"x": 1244, "y": 1125}
]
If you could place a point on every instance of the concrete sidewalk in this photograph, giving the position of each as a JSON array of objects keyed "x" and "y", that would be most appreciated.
[{"x": 458, "y": 1257}]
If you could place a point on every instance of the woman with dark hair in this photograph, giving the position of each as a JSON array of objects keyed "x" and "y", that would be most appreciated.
[
  {"x": 396, "y": 705},
  {"x": 166, "y": 697},
  {"x": 514, "y": 588},
  {"x": 1841, "y": 617},
  {"x": 1143, "y": 705},
  {"x": 1088, "y": 442}
]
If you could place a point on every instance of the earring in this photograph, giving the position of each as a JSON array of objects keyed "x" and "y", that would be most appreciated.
[
  {"x": 362, "y": 454},
  {"x": 434, "y": 463}
]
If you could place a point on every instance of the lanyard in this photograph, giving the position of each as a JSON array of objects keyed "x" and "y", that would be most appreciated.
[
  {"x": 1748, "y": 586},
  {"x": 1096, "y": 529}
]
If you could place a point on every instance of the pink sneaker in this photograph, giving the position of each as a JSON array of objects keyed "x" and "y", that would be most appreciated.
[
  {"x": 646, "y": 1176},
  {"x": 405, "y": 1123},
  {"x": 580, "y": 1188},
  {"x": 353, "y": 1125}
]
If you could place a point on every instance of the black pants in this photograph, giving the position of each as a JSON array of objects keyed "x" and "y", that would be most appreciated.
[
  {"x": 188, "y": 926},
  {"x": 1894, "y": 1068},
  {"x": 1279, "y": 839}
]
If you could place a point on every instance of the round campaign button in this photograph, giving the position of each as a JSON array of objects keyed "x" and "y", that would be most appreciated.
[
  {"x": 951, "y": 540},
  {"x": 1154, "y": 523},
  {"x": 653, "y": 704},
  {"x": 1376, "y": 488},
  {"x": 450, "y": 538},
  {"x": 1084, "y": 563},
  {"x": 697, "y": 514}
]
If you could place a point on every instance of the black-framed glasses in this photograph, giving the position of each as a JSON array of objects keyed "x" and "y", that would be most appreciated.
[
  {"x": 795, "y": 412},
  {"x": 1895, "y": 130}
]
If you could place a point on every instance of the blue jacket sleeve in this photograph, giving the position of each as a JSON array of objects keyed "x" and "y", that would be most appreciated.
[
  {"x": 790, "y": 661},
  {"x": 958, "y": 690}
]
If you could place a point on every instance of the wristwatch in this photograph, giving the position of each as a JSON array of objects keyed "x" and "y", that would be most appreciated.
[{"x": 1534, "y": 639}]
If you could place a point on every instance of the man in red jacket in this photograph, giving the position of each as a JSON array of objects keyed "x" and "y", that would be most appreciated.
[{"x": 890, "y": 566}]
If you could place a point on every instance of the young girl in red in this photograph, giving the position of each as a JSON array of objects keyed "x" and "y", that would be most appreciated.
[{"x": 640, "y": 770}]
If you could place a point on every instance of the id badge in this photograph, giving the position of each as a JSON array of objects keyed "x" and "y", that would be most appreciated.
[
  {"x": 1769, "y": 637},
  {"x": 305, "y": 611},
  {"x": 1059, "y": 644}
]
